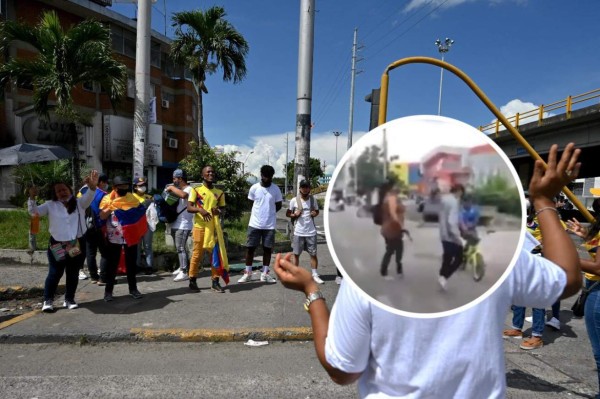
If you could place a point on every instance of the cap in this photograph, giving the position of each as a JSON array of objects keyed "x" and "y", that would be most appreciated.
[
  {"x": 139, "y": 181},
  {"x": 103, "y": 178},
  {"x": 304, "y": 183},
  {"x": 119, "y": 181},
  {"x": 179, "y": 173}
]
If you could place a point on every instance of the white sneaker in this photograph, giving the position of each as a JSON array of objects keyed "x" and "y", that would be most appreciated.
[
  {"x": 554, "y": 323},
  {"x": 70, "y": 305},
  {"x": 529, "y": 319},
  {"x": 318, "y": 279},
  {"x": 443, "y": 282},
  {"x": 267, "y": 278},
  {"x": 48, "y": 306},
  {"x": 245, "y": 278},
  {"x": 181, "y": 276},
  {"x": 82, "y": 275},
  {"x": 177, "y": 271},
  {"x": 338, "y": 280}
]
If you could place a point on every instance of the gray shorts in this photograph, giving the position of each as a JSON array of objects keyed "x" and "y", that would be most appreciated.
[
  {"x": 254, "y": 237},
  {"x": 308, "y": 244}
]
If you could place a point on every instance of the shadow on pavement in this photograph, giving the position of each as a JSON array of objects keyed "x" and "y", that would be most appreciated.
[
  {"x": 125, "y": 304},
  {"x": 518, "y": 379}
]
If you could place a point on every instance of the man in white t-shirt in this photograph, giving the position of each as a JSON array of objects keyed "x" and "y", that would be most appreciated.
[
  {"x": 458, "y": 356},
  {"x": 266, "y": 202},
  {"x": 182, "y": 226},
  {"x": 305, "y": 229}
]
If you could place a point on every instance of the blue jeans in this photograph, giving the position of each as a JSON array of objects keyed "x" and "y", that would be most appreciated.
[
  {"x": 592, "y": 323},
  {"x": 539, "y": 320},
  {"x": 55, "y": 272},
  {"x": 556, "y": 310},
  {"x": 146, "y": 243},
  {"x": 180, "y": 238}
]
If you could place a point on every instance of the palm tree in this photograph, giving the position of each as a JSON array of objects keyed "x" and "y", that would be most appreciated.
[
  {"x": 204, "y": 42},
  {"x": 64, "y": 60}
]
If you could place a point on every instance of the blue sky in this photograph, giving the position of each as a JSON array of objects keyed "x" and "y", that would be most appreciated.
[{"x": 521, "y": 53}]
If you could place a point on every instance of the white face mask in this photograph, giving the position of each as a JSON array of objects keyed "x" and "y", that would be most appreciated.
[{"x": 141, "y": 189}]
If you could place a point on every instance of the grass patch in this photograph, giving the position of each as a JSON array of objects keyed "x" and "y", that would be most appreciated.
[{"x": 14, "y": 232}]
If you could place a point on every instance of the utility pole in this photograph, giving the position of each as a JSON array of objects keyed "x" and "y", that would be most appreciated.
[
  {"x": 443, "y": 48},
  {"x": 287, "y": 139},
  {"x": 352, "y": 76},
  {"x": 304, "y": 97},
  {"x": 142, "y": 86},
  {"x": 336, "y": 134}
]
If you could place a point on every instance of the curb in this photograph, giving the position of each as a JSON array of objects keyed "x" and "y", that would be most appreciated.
[
  {"x": 168, "y": 335},
  {"x": 20, "y": 292}
]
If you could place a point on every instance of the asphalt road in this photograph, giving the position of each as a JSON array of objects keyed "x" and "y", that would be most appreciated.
[
  {"x": 165, "y": 370},
  {"x": 359, "y": 247}
]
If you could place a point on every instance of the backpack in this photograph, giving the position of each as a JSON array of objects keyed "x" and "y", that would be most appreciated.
[
  {"x": 377, "y": 212},
  {"x": 311, "y": 205},
  {"x": 166, "y": 213}
]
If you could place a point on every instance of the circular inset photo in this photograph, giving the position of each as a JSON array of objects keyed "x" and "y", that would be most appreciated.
[{"x": 425, "y": 214}]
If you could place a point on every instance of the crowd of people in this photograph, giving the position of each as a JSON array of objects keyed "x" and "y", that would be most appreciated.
[
  {"x": 359, "y": 341},
  {"x": 119, "y": 224}
]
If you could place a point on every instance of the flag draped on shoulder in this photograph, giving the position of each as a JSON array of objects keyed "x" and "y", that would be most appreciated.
[{"x": 130, "y": 213}]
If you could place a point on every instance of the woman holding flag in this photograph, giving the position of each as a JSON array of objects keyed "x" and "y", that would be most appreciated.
[
  {"x": 207, "y": 203},
  {"x": 125, "y": 225}
]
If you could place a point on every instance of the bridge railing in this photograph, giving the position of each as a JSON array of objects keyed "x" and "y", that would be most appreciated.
[{"x": 568, "y": 104}]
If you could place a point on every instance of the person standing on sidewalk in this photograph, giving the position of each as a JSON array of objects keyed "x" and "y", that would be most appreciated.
[
  {"x": 94, "y": 239},
  {"x": 207, "y": 203},
  {"x": 140, "y": 188},
  {"x": 449, "y": 221},
  {"x": 66, "y": 219},
  {"x": 266, "y": 202},
  {"x": 182, "y": 226},
  {"x": 538, "y": 316},
  {"x": 591, "y": 267},
  {"x": 126, "y": 224},
  {"x": 405, "y": 357},
  {"x": 305, "y": 230},
  {"x": 392, "y": 225}
]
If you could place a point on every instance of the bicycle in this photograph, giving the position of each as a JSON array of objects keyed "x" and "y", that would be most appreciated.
[{"x": 473, "y": 258}]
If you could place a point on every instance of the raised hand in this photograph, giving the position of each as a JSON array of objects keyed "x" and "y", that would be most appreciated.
[
  {"x": 546, "y": 184},
  {"x": 292, "y": 276},
  {"x": 576, "y": 228},
  {"x": 92, "y": 180}
]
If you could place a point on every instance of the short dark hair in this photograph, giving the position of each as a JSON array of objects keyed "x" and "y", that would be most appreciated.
[
  {"x": 267, "y": 171},
  {"x": 457, "y": 187}
]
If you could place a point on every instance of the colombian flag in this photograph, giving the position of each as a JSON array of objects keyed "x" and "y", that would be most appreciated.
[
  {"x": 218, "y": 262},
  {"x": 130, "y": 213}
]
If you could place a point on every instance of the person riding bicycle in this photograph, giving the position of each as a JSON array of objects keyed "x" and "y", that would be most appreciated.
[{"x": 469, "y": 219}]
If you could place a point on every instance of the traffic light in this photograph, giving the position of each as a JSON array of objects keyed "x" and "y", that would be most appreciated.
[{"x": 373, "y": 98}]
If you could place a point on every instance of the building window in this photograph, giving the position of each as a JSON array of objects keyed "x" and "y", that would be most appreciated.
[
  {"x": 171, "y": 135},
  {"x": 129, "y": 46},
  {"x": 131, "y": 87},
  {"x": 165, "y": 95},
  {"x": 116, "y": 35},
  {"x": 155, "y": 54}
]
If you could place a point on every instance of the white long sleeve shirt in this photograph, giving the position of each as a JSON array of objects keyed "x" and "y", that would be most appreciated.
[{"x": 62, "y": 225}]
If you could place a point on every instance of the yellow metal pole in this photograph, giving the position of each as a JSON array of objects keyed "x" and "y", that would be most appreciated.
[
  {"x": 479, "y": 93},
  {"x": 541, "y": 115}
]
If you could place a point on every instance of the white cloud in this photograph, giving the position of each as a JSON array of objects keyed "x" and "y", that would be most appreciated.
[
  {"x": 528, "y": 112},
  {"x": 414, "y": 4},
  {"x": 271, "y": 149}
]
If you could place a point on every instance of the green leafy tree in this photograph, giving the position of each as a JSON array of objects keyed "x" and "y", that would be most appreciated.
[
  {"x": 315, "y": 171},
  {"x": 42, "y": 175},
  {"x": 65, "y": 59},
  {"x": 500, "y": 192},
  {"x": 368, "y": 169},
  {"x": 204, "y": 42},
  {"x": 229, "y": 177}
]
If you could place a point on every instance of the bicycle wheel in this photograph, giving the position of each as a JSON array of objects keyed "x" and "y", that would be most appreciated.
[{"x": 478, "y": 267}]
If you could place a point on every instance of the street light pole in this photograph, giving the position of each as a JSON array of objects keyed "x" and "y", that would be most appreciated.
[
  {"x": 336, "y": 134},
  {"x": 244, "y": 164},
  {"x": 443, "y": 48}
]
